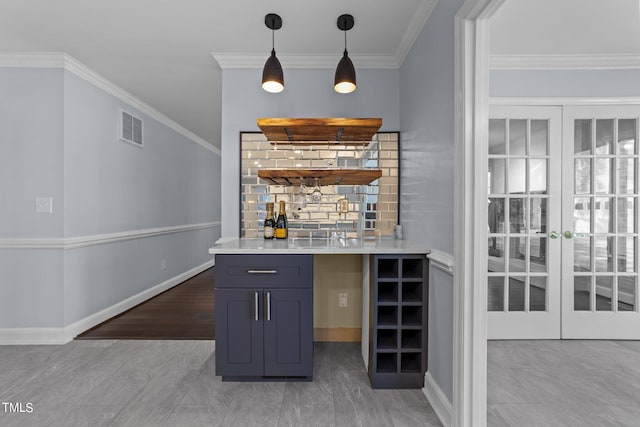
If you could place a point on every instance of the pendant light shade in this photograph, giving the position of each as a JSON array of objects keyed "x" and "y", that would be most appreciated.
[
  {"x": 345, "y": 78},
  {"x": 272, "y": 74}
]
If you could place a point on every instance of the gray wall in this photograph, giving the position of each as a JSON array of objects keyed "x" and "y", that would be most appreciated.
[
  {"x": 112, "y": 185},
  {"x": 564, "y": 83},
  {"x": 308, "y": 93},
  {"x": 31, "y": 163},
  {"x": 100, "y": 185},
  {"x": 31, "y": 151},
  {"x": 427, "y": 126},
  {"x": 31, "y": 288},
  {"x": 441, "y": 329}
]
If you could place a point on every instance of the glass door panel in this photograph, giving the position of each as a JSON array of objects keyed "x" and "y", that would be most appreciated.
[
  {"x": 523, "y": 208},
  {"x": 600, "y": 223},
  {"x": 627, "y": 291},
  {"x": 563, "y": 230},
  {"x": 582, "y": 254}
]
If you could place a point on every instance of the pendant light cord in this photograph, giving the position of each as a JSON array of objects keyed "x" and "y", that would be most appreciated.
[{"x": 345, "y": 41}]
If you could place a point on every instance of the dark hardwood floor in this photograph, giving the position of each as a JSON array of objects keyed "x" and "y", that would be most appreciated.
[{"x": 182, "y": 312}]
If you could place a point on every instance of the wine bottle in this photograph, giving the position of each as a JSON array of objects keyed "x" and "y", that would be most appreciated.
[
  {"x": 281, "y": 223},
  {"x": 268, "y": 231}
]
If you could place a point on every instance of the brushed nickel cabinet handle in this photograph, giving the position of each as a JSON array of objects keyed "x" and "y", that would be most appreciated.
[
  {"x": 272, "y": 271},
  {"x": 268, "y": 306},
  {"x": 255, "y": 305}
]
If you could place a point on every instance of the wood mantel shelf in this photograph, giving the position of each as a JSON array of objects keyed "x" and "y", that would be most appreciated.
[
  {"x": 324, "y": 176},
  {"x": 309, "y": 130}
]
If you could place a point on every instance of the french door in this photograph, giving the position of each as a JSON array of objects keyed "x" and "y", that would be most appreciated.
[
  {"x": 563, "y": 222},
  {"x": 600, "y": 214},
  {"x": 524, "y": 206}
]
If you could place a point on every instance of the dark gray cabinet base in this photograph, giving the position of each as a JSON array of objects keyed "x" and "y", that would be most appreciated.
[
  {"x": 264, "y": 317},
  {"x": 398, "y": 311}
]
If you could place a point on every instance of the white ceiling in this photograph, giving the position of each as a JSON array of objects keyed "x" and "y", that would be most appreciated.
[
  {"x": 566, "y": 27},
  {"x": 161, "y": 50}
]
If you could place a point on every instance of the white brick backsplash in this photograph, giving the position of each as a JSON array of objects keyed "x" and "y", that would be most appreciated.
[
  {"x": 388, "y": 154},
  {"x": 318, "y": 215},
  {"x": 275, "y": 154},
  {"x": 319, "y": 163},
  {"x": 349, "y": 153},
  {"x": 326, "y": 154},
  {"x": 388, "y": 145},
  {"x": 313, "y": 219}
]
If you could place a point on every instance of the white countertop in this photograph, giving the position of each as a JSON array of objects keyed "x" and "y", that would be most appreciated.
[{"x": 316, "y": 246}]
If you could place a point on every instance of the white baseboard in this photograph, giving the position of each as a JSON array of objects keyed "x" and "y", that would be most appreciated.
[
  {"x": 438, "y": 400},
  {"x": 42, "y": 336},
  {"x": 32, "y": 336}
]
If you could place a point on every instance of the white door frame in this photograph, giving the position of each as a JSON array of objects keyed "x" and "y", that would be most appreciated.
[
  {"x": 470, "y": 174},
  {"x": 471, "y": 123}
]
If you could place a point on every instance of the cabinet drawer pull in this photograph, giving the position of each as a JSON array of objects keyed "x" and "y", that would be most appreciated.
[
  {"x": 255, "y": 305},
  {"x": 268, "y": 306},
  {"x": 272, "y": 271}
]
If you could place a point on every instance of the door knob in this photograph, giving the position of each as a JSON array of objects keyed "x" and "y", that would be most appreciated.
[
  {"x": 568, "y": 234},
  {"x": 554, "y": 234}
]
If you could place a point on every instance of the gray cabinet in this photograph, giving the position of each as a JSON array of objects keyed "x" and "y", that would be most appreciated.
[
  {"x": 398, "y": 321},
  {"x": 264, "y": 316}
]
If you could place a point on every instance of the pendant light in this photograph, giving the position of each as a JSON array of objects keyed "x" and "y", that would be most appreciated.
[
  {"x": 345, "y": 80},
  {"x": 272, "y": 75}
]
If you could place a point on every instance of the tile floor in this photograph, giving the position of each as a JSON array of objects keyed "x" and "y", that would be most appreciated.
[
  {"x": 171, "y": 383},
  {"x": 563, "y": 383}
]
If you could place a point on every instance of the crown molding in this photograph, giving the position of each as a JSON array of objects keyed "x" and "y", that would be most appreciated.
[
  {"x": 67, "y": 62},
  {"x": 565, "y": 62},
  {"x": 392, "y": 61},
  {"x": 420, "y": 18},
  {"x": 565, "y": 101},
  {"x": 292, "y": 61},
  {"x": 32, "y": 60},
  {"x": 99, "y": 239}
]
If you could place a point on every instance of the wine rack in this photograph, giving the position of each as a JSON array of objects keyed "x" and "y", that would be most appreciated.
[{"x": 398, "y": 323}]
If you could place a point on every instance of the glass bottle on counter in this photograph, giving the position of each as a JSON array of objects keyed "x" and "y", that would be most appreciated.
[
  {"x": 268, "y": 231},
  {"x": 281, "y": 222}
]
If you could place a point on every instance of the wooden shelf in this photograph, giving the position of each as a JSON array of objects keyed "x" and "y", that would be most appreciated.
[
  {"x": 311, "y": 130},
  {"x": 324, "y": 176}
]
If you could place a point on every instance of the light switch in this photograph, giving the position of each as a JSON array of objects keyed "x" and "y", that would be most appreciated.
[
  {"x": 342, "y": 300},
  {"x": 44, "y": 205}
]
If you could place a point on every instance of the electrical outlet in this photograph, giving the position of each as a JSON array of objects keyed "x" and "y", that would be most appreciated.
[
  {"x": 44, "y": 205},
  {"x": 163, "y": 264},
  {"x": 342, "y": 300}
]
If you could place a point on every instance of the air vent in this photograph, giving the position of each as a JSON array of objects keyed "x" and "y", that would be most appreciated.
[{"x": 130, "y": 128}]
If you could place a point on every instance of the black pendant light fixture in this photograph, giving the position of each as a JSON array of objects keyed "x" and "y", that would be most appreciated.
[
  {"x": 272, "y": 75},
  {"x": 345, "y": 80}
]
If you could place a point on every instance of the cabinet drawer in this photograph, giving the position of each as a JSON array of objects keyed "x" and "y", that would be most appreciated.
[{"x": 273, "y": 271}]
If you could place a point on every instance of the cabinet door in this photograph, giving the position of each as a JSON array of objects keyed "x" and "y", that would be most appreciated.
[
  {"x": 288, "y": 332},
  {"x": 239, "y": 338}
]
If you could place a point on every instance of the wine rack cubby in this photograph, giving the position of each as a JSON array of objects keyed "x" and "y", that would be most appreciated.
[{"x": 398, "y": 327}]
